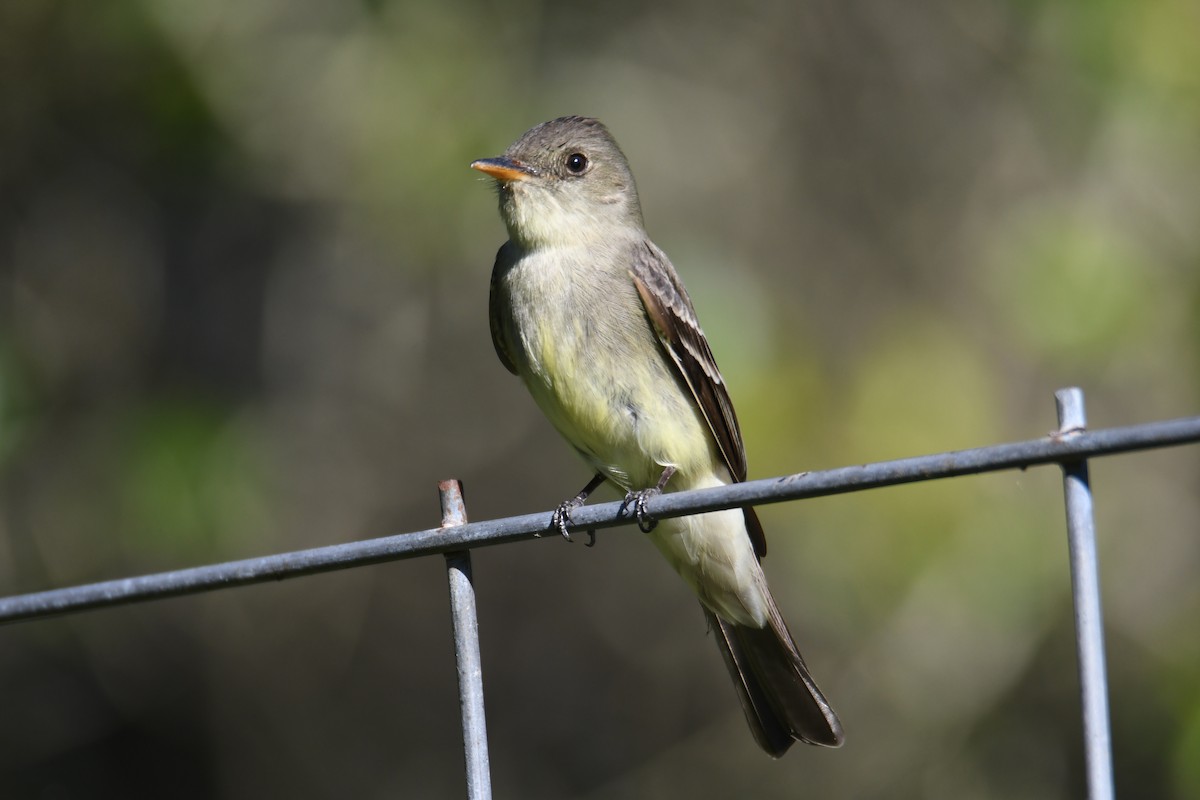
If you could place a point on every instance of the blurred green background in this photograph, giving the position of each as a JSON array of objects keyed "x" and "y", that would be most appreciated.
[{"x": 243, "y": 309}]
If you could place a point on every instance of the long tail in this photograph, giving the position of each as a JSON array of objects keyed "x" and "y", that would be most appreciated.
[{"x": 781, "y": 700}]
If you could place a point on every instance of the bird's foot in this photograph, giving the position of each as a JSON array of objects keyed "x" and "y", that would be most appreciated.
[
  {"x": 562, "y": 518},
  {"x": 646, "y": 523}
]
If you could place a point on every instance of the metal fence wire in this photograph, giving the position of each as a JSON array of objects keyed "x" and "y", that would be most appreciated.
[{"x": 1070, "y": 447}]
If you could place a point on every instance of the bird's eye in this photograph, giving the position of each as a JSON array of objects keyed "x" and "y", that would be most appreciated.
[{"x": 577, "y": 163}]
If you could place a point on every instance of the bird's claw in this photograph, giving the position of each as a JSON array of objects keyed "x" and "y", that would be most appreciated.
[
  {"x": 645, "y": 522},
  {"x": 562, "y": 518}
]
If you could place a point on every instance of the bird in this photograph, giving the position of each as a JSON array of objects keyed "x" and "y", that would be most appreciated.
[{"x": 593, "y": 318}]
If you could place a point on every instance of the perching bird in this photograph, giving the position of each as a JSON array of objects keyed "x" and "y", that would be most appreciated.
[{"x": 591, "y": 315}]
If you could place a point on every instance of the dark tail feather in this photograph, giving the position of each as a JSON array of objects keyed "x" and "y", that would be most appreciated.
[{"x": 781, "y": 700}]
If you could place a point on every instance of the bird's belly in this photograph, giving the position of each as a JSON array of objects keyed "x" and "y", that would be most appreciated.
[
  {"x": 620, "y": 405},
  {"x": 630, "y": 416},
  {"x": 598, "y": 372}
]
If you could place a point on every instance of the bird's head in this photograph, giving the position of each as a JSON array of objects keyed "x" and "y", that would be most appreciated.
[{"x": 564, "y": 182}]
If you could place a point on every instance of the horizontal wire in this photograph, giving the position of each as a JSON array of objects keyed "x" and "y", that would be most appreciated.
[{"x": 1053, "y": 449}]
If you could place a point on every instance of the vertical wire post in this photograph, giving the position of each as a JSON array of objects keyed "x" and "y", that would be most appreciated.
[
  {"x": 466, "y": 648},
  {"x": 1085, "y": 591}
]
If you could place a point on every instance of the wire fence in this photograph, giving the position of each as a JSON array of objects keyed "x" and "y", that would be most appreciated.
[{"x": 1070, "y": 447}]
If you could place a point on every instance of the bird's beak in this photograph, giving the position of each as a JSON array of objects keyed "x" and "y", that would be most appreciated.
[{"x": 505, "y": 170}]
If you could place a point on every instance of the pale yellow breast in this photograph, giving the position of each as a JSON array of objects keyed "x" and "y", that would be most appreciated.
[{"x": 594, "y": 366}]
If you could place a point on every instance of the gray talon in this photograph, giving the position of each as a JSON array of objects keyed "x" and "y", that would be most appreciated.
[
  {"x": 645, "y": 522},
  {"x": 562, "y": 516}
]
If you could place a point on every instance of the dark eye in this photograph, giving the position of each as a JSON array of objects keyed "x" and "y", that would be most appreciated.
[{"x": 577, "y": 163}]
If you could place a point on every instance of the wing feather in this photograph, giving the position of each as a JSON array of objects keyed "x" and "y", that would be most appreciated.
[
  {"x": 674, "y": 320},
  {"x": 496, "y": 311}
]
